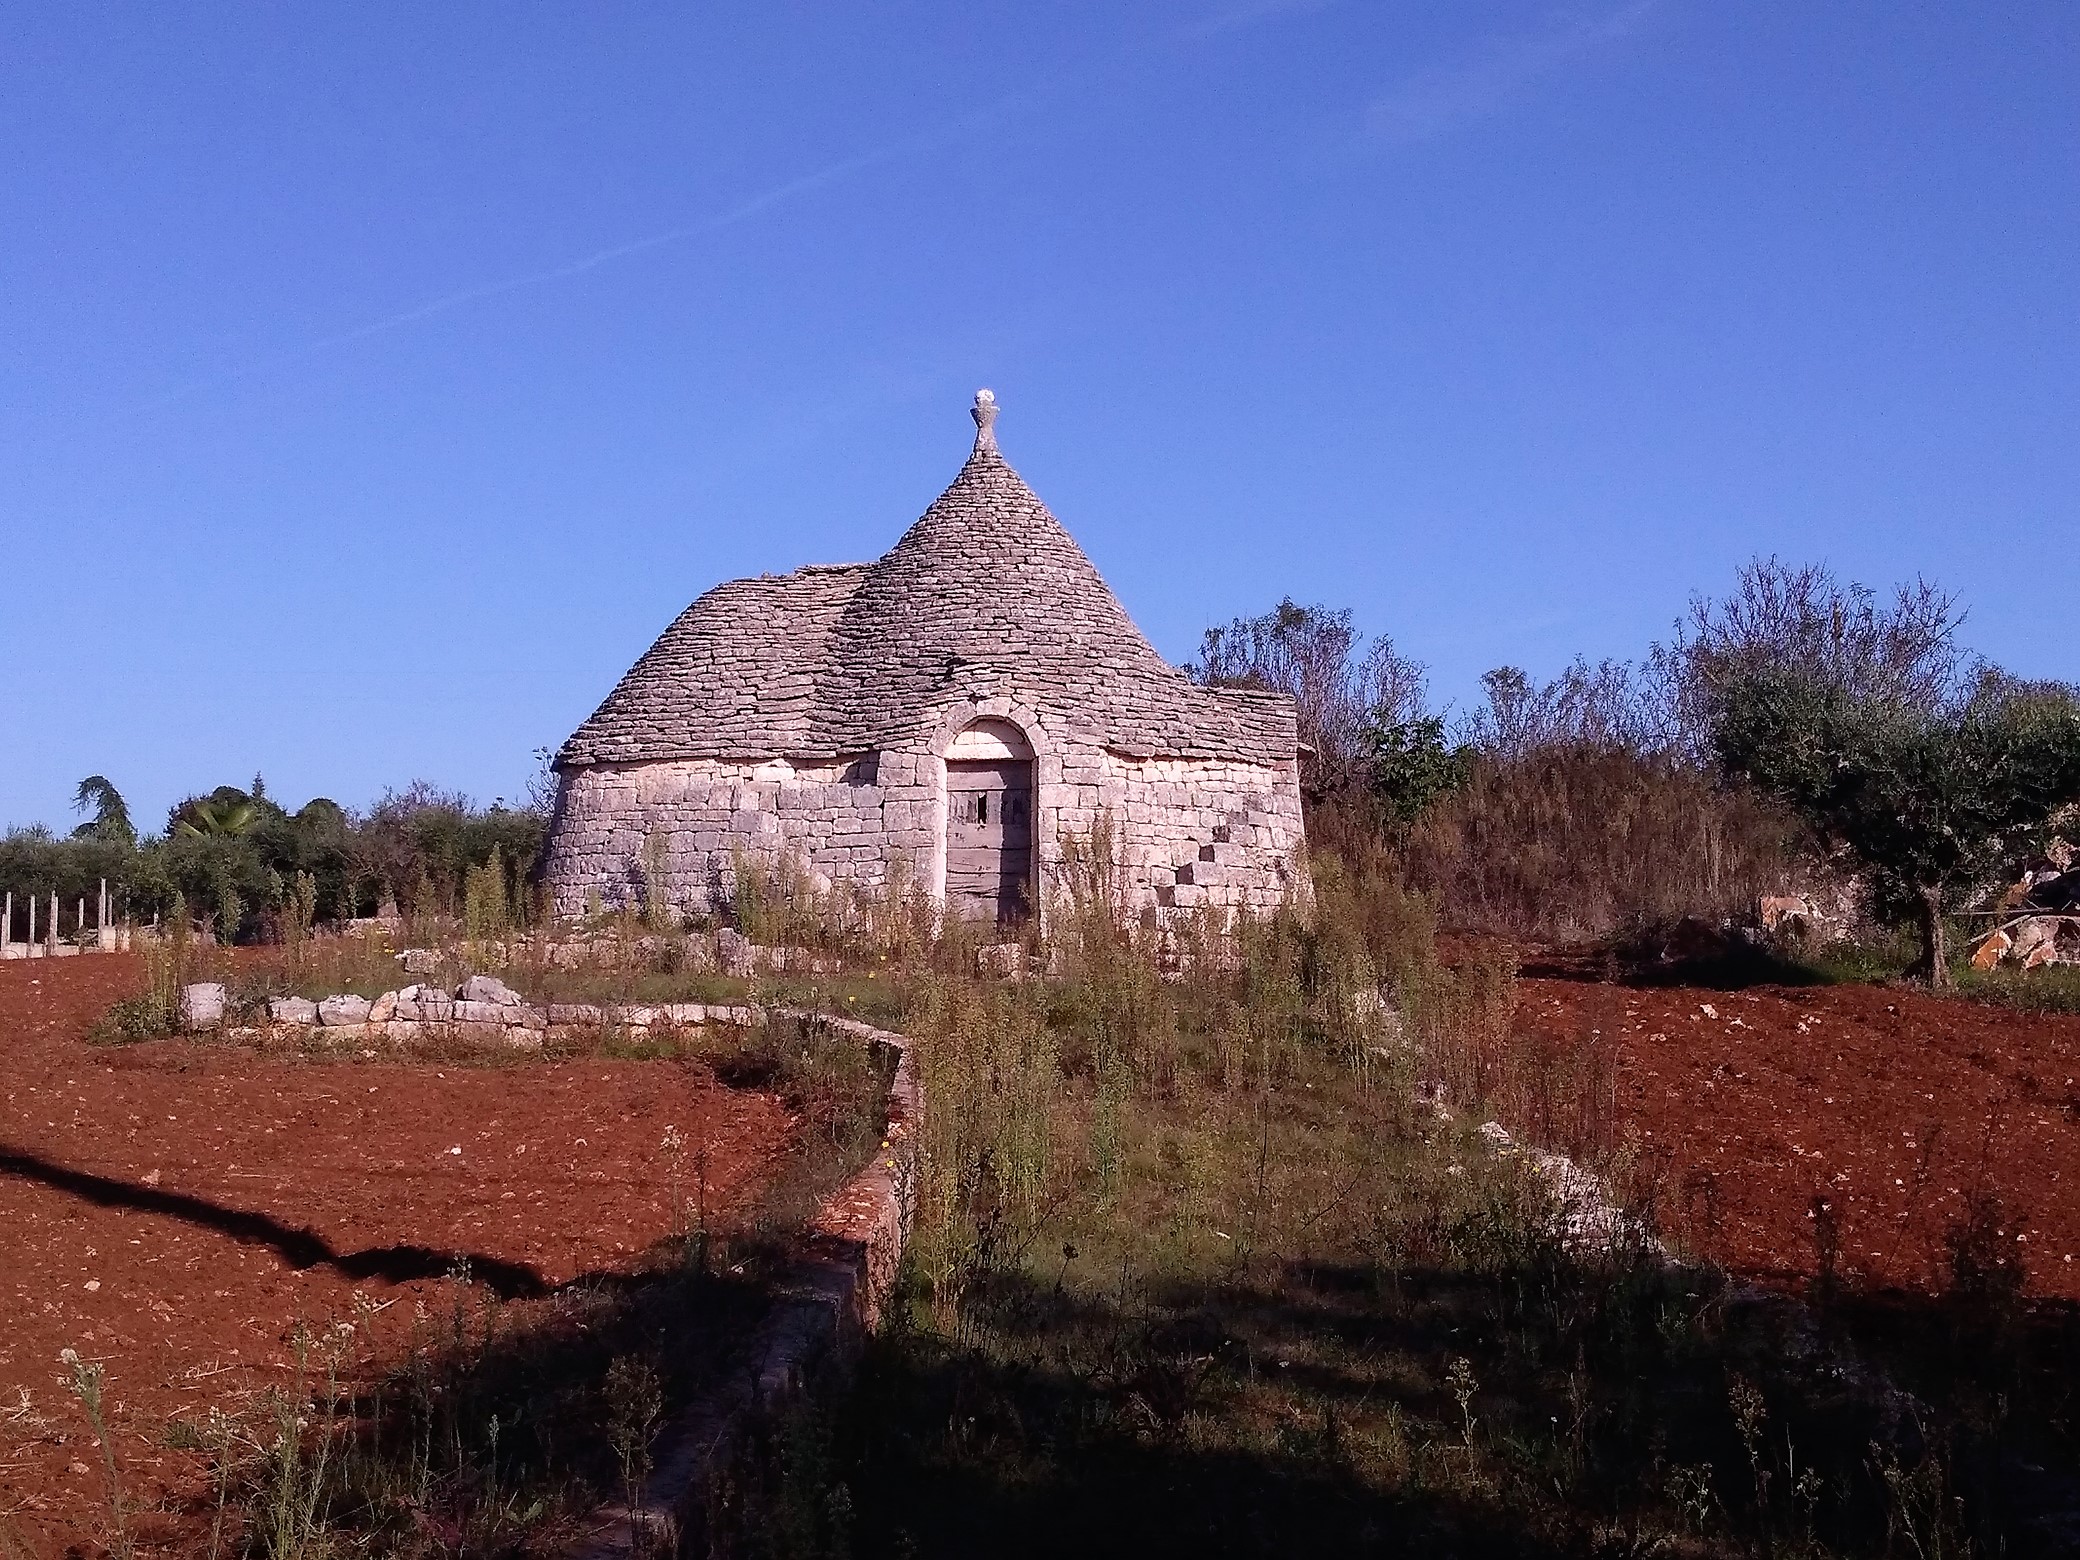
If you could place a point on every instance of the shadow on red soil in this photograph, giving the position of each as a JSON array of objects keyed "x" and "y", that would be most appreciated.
[{"x": 175, "y": 1210}]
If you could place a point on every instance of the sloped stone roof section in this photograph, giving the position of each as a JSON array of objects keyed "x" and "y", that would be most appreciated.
[
  {"x": 733, "y": 677},
  {"x": 985, "y": 595},
  {"x": 988, "y": 594}
]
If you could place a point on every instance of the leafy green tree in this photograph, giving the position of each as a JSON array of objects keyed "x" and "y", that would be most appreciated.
[
  {"x": 35, "y": 864},
  {"x": 1932, "y": 798},
  {"x": 421, "y": 844},
  {"x": 1412, "y": 766},
  {"x": 111, "y": 820},
  {"x": 226, "y": 813},
  {"x": 255, "y": 866}
]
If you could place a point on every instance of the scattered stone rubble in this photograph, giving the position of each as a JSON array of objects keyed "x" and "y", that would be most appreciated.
[
  {"x": 1796, "y": 916},
  {"x": 2038, "y": 917},
  {"x": 1589, "y": 1220},
  {"x": 2031, "y": 942}
]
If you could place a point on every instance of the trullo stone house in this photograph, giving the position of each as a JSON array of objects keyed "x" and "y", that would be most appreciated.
[{"x": 942, "y": 717}]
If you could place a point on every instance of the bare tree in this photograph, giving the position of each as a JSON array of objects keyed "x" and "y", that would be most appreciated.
[
  {"x": 1605, "y": 706},
  {"x": 1347, "y": 691},
  {"x": 1802, "y": 622}
]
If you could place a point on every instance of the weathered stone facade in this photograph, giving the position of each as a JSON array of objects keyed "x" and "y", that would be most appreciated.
[{"x": 813, "y": 716}]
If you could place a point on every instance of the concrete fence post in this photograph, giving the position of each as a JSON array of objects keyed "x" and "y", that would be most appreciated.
[{"x": 7, "y": 928}]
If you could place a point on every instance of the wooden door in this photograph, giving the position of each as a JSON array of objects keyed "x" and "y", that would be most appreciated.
[{"x": 989, "y": 837}]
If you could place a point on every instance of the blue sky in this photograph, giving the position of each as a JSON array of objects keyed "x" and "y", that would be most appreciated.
[{"x": 377, "y": 381}]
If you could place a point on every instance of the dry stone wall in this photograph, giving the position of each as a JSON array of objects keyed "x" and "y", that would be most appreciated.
[
  {"x": 848, "y": 821},
  {"x": 1201, "y": 833},
  {"x": 1188, "y": 832}
]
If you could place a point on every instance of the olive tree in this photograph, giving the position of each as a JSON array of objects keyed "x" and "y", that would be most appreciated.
[
  {"x": 1932, "y": 796},
  {"x": 1346, "y": 691}
]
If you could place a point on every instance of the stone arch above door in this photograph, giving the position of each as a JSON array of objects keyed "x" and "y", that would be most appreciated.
[
  {"x": 998, "y": 709},
  {"x": 989, "y": 737}
]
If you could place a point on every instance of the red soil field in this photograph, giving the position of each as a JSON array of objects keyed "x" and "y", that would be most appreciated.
[
  {"x": 174, "y": 1210},
  {"x": 1895, "y": 1106}
]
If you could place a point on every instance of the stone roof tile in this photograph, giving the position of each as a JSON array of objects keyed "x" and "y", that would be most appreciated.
[
  {"x": 986, "y": 594},
  {"x": 733, "y": 677}
]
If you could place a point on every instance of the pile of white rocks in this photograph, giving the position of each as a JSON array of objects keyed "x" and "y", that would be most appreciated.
[{"x": 482, "y": 999}]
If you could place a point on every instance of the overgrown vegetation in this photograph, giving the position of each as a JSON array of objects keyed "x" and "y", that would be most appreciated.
[
  {"x": 1210, "y": 1256},
  {"x": 247, "y": 869},
  {"x": 1580, "y": 808},
  {"x": 1800, "y": 734},
  {"x": 1202, "y": 1268}
]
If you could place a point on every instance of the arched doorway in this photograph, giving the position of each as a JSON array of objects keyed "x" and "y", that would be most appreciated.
[{"x": 989, "y": 822}]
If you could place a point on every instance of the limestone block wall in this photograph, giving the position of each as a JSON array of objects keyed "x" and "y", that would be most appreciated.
[
  {"x": 1189, "y": 832},
  {"x": 846, "y": 819}
]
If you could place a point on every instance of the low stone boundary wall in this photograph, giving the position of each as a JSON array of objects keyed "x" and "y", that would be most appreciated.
[
  {"x": 830, "y": 1302},
  {"x": 823, "y": 1311},
  {"x": 481, "y": 1009}
]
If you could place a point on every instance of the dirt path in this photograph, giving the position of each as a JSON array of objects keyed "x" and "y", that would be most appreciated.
[
  {"x": 175, "y": 1210},
  {"x": 1896, "y": 1108}
]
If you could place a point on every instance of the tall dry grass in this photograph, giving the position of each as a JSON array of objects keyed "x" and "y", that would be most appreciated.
[
  {"x": 780, "y": 901},
  {"x": 1569, "y": 843},
  {"x": 1199, "y": 1270}
]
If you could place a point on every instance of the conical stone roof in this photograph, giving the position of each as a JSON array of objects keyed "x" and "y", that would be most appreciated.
[{"x": 985, "y": 595}]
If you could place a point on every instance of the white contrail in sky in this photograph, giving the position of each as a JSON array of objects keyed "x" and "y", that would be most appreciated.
[
  {"x": 831, "y": 173},
  {"x": 1438, "y": 98},
  {"x": 735, "y": 214},
  {"x": 729, "y": 218},
  {"x": 1239, "y": 13}
]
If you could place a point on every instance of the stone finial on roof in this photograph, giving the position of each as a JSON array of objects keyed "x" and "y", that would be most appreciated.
[{"x": 984, "y": 412}]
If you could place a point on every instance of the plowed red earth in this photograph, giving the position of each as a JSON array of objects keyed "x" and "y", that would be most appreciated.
[
  {"x": 174, "y": 1210},
  {"x": 1895, "y": 1107}
]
